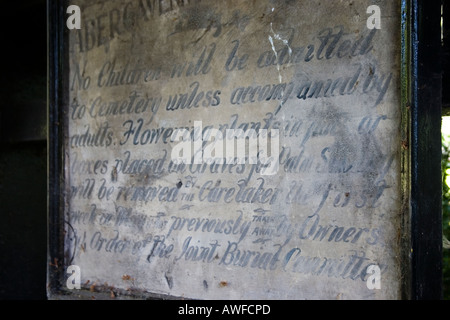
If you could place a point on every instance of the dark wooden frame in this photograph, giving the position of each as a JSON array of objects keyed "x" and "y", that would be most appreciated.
[
  {"x": 426, "y": 183},
  {"x": 57, "y": 65}
]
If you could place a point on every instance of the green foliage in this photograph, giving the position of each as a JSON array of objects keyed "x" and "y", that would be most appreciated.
[{"x": 445, "y": 163}]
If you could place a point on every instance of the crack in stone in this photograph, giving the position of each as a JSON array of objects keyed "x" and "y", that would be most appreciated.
[{"x": 286, "y": 43}]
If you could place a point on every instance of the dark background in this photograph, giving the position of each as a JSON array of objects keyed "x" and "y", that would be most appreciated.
[{"x": 23, "y": 150}]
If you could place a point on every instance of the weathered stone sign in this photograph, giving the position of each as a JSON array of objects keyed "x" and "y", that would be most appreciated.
[{"x": 234, "y": 150}]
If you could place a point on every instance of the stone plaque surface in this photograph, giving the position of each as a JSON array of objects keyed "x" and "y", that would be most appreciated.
[{"x": 235, "y": 149}]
